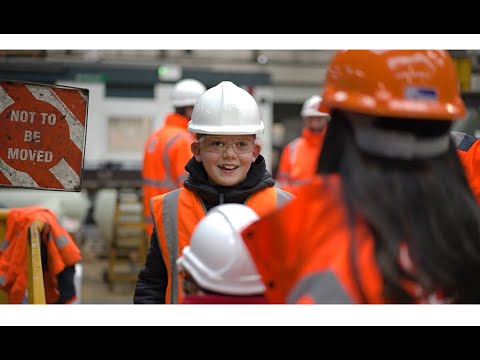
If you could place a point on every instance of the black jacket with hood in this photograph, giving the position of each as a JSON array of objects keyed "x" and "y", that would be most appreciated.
[{"x": 152, "y": 279}]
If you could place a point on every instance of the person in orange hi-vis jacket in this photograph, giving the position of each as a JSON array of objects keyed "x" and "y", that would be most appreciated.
[
  {"x": 468, "y": 148},
  {"x": 167, "y": 149},
  {"x": 299, "y": 158},
  {"x": 226, "y": 167},
  {"x": 391, "y": 217}
]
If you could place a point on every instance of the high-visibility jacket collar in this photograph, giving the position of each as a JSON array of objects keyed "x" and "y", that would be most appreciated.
[
  {"x": 313, "y": 137},
  {"x": 175, "y": 119}
]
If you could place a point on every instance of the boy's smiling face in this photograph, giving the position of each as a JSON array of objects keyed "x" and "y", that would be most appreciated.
[{"x": 224, "y": 165}]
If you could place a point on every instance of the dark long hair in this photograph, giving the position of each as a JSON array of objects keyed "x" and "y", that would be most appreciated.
[{"x": 425, "y": 204}]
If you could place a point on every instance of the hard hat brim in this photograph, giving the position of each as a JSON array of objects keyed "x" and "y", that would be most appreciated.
[{"x": 227, "y": 130}]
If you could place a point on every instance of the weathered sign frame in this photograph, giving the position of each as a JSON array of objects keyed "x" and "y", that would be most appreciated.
[{"x": 43, "y": 131}]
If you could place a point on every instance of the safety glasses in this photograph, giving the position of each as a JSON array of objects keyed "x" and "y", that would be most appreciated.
[{"x": 218, "y": 144}]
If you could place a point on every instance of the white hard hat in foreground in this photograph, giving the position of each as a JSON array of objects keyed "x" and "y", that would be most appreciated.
[{"x": 217, "y": 257}]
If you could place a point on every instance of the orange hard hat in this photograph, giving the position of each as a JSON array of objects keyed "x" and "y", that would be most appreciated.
[{"x": 395, "y": 83}]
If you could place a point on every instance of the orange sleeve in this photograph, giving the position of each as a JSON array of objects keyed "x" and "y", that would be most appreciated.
[
  {"x": 269, "y": 242},
  {"x": 281, "y": 242}
]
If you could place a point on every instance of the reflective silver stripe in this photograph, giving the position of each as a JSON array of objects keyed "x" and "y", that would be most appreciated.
[
  {"x": 152, "y": 145},
  {"x": 168, "y": 182},
  {"x": 457, "y": 137},
  {"x": 293, "y": 151},
  {"x": 283, "y": 179},
  {"x": 170, "y": 228},
  {"x": 300, "y": 182},
  {"x": 463, "y": 141},
  {"x": 148, "y": 219},
  {"x": 282, "y": 197},
  {"x": 322, "y": 287},
  {"x": 3, "y": 280},
  {"x": 166, "y": 162},
  {"x": 181, "y": 179},
  {"x": 61, "y": 241},
  {"x": 3, "y": 245},
  {"x": 282, "y": 174}
]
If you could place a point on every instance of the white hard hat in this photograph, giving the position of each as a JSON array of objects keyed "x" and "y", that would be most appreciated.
[
  {"x": 217, "y": 257},
  {"x": 186, "y": 92},
  {"x": 226, "y": 109},
  {"x": 311, "y": 105}
]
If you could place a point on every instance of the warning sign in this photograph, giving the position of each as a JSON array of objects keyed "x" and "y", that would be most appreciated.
[{"x": 42, "y": 135}]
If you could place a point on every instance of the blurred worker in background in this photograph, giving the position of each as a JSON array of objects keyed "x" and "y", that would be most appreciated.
[
  {"x": 392, "y": 219},
  {"x": 216, "y": 266},
  {"x": 299, "y": 159},
  {"x": 226, "y": 167},
  {"x": 167, "y": 149},
  {"x": 468, "y": 148}
]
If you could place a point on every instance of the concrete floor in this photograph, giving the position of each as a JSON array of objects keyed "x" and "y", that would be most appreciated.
[
  {"x": 94, "y": 287},
  {"x": 95, "y": 290}
]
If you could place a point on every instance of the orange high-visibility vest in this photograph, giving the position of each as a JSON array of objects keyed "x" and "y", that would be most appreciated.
[
  {"x": 468, "y": 149},
  {"x": 60, "y": 252},
  {"x": 299, "y": 159},
  {"x": 167, "y": 151},
  {"x": 178, "y": 212}
]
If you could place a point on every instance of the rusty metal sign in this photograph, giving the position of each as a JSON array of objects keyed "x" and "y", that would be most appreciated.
[{"x": 42, "y": 135}]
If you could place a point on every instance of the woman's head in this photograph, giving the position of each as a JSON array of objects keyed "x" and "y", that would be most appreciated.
[
  {"x": 388, "y": 139},
  {"x": 398, "y": 104},
  {"x": 415, "y": 84},
  {"x": 423, "y": 202}
]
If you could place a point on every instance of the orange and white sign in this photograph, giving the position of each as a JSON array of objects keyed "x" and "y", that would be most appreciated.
[{"x": 42, "y": 135}]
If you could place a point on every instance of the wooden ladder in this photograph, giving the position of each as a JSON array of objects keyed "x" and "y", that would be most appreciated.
[{"x": 129, "y": 241}]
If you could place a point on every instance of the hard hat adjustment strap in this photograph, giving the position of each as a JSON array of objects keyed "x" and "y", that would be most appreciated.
[{"x": 398, "y": 144}]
